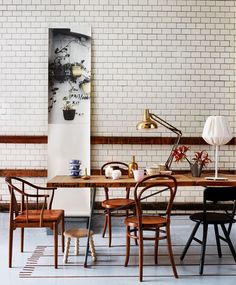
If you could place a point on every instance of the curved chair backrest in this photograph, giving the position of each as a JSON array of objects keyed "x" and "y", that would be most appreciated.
[
  {"x": 24, "y": 190},
  {"x": 157, "y": 184},
  {"x": 220, "y": 194},
  {"x": 217, "y": 194},
  {"x": 122, "y": 166}
]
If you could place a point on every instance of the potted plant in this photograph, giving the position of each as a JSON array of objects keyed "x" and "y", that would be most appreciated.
[
  {"x": 68, "y": 109},
  {"x": 78, "y": 69},
  {"x": 75, "y": 75},
  {"x": 200, "y": 159},
  {"x": 85, "y": 86}
]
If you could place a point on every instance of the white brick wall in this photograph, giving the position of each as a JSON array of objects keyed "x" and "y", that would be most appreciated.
[{"x": 176, "y": 57}]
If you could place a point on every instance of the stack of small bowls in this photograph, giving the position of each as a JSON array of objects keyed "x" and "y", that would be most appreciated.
[
  {"x": 75, "y": 167},
  {"x": 153, "y": 170}
]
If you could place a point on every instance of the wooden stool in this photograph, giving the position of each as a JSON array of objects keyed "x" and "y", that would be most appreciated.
[{"x": 77, "y": 234}]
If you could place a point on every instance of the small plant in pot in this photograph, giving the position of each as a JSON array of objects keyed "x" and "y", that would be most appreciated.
[
  {"x": 68, "y": 109},
  {"x": 200, "y": 159}
]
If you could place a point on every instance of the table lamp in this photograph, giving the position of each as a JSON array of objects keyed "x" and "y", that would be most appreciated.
[
  {"x": 151, "y": 121},
  {"x": 216, "y": 132}
]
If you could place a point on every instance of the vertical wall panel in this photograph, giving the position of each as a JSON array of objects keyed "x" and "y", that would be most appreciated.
[{"x": 69, "y": 137}]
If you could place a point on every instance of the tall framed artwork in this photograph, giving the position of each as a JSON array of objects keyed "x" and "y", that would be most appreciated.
[{"x": 69, "y": 88}]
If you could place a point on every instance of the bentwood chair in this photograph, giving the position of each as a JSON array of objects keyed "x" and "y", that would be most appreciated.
[
  {"x": 158, "y": 226},
  {"x": 40, "y": 216},
  {"x": 111, "y": 205},
  {"x": 216, "y": 218}
]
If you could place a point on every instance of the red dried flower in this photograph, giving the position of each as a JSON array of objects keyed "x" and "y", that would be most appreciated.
[{"x": 200, "y": 157}]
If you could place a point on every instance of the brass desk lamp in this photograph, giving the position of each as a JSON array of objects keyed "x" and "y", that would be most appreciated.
[{"x": 151, "y": 121}]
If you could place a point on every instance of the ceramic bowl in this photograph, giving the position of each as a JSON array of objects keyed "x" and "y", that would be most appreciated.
[
  {"x": 74, "y": 166},
  {"x": 153, "y": 171},
  {"x": 75, "y": 161},
  {"x": 166, "y": 172},
  {"x": 75, "y": 172}
]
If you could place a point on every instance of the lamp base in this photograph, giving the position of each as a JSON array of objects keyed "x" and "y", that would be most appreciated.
[{"x": 216, "y": 178}]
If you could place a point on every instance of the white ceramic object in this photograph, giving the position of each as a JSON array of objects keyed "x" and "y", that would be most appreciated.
[
  {"x": 162, "y": 167},
  {"x": 166, "y": 172},
  {"x": 108, "y": 171},
  {"x": 138, "y": 174},
  {"x": 153, "y": 171},
  {"x": 116, "y": 174}
]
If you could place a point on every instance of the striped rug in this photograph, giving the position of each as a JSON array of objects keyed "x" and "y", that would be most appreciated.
[{"x": 110, "y": 263}]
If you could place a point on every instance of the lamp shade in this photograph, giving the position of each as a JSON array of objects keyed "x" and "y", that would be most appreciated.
[
  {"x": 147, "y": 122},
  {"x": 216, "y": 130}
]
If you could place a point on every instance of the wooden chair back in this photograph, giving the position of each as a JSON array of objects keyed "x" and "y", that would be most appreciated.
[
  {"x": 156, "y": 188},
  {"x": 122, "y": 166},
  {"x": 27, "y": 193}
]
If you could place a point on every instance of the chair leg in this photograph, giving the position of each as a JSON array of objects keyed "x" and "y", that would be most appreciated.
[
  {"x": 55, "y": 230},
  {"x": 76, "y": 246},
  {"x": 204, "y": 240},
  {"x": 22, "y": 239},
  {"x": 92, "y": 248},
  {"x": 189, "y": 241},
  {"x": 105, "y": 226},
  {"x": 127, "y": 246},
  {"x": 140, "y": 257},
  {"x": 10, "y": 246},
  {"x": 217, "y": 240},
  {"x": 135, "y": 234},
  {"x": 67, "y": 249},
  {"x": 156, "y": 246},
  {"x": 109, "y": 228},
  {"x": 62, "y": 234},
  {"x": 229, "y": 241},
  {"x": 170, "y": 252}
]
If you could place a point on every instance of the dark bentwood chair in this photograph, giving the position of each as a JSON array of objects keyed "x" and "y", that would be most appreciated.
[
  {"x": 41, "y": 216},
  {"x": 112, "y": 204},
  {"x": 206, "y": 218},
  {"x": 158, "y": 224}
]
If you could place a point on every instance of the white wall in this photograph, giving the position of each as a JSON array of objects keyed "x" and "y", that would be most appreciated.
[{"x": 176, "y": 57}]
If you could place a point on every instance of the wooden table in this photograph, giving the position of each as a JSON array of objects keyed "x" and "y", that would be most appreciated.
[{"x": 100, "y": 181}]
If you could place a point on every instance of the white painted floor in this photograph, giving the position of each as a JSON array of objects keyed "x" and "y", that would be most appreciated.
[{"x": 109, "y": 266}]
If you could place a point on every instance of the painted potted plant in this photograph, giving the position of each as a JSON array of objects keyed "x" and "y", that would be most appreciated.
[
  {"x": 200, "y": 159},
  {"x": 85, "y": 86},
  {"x": 78, "y": 69},
  {"x": 75, "y": 75},
  {"x": 68, "y": 109}
]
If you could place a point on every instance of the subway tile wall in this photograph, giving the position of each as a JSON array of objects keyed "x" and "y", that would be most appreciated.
[{"x": 176, "y": 57}]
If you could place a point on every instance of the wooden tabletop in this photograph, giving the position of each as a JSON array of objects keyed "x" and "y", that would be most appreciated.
[{"x": 64, "y": 181}]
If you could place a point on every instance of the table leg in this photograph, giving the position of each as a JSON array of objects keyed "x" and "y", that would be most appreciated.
[{"x": 89, "y": 224}]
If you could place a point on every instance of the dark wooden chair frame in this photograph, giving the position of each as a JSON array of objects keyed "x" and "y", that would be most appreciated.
[
  {"x": 25, "y": 212},
  {"x": 206, "y": 218},
  {"x": 123, "y": 203},
  {"x": 138, "y": 226}
]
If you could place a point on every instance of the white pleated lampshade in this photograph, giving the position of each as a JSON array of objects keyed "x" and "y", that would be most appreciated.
[{"x": 216, "y": 130}]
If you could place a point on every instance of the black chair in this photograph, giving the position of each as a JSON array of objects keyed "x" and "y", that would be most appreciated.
[{"x": 207, "y": 217}]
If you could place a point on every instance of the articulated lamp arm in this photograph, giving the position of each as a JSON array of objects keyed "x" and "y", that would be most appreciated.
[
  {"x": 174, "y": 130},
  {"x": 150, "y": 122}
]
